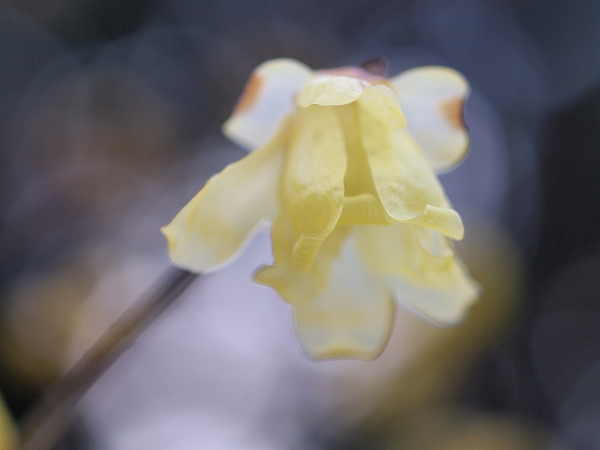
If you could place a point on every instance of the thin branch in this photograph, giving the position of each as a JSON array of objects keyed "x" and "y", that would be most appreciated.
[{"x": 48, "y": 420}]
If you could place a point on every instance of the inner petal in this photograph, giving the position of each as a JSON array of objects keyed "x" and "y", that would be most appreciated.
[
  {"x": 361, "y": 202},
  {"x": 295, "y": 285},
  {"x": 404, "y": 180},
  {"x": 313, "y": 181},
  {"x": 364, "y": 209},
  {"x": 358, "y": 179},
  {"x": 342, "y": 309}
]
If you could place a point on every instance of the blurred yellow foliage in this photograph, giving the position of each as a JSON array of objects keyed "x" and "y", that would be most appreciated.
[{"x": 8, "y": 432}]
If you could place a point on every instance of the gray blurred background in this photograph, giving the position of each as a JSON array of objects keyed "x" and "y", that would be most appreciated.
[{"x": 109, "y": 122}]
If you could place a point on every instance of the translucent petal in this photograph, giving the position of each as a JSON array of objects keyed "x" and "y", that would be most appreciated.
[
  {"x": 381, "y": 104},
  {"x": 342, "y": 310},
  {"x": 423, "y": 268},
  {"x": 313, "y": 180},
  {"x": 361, "y": 202},
  {"x": 214, "y": 225},
  {"x": 408, "y": 188},
  {"x": 353, "y": 318},
  {"x": 267, "y": 99},
  {"x": 363, "y": 209},
  {"x": 432, "y": 99},
  {"x": 358, "y": 179},
  {"x": 330, "y": 90},
  {"x": 293, "y": 284}
]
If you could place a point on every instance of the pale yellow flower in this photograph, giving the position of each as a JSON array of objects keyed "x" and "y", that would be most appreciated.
[{"x": 344, "y": 167}]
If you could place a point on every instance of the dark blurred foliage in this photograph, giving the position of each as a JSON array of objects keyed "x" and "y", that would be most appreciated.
[
  {"x": 549, "y": 369},
  {"x": 157, "y": 75}
]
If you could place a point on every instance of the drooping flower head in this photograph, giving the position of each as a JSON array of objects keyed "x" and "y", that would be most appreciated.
[{"x": 343, "y": 163}]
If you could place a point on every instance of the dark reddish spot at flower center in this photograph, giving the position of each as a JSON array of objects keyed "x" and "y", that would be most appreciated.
[{"x": 375, "y": 66}]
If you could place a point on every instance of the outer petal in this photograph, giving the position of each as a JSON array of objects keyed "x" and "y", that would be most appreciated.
[
  {"x": 432, "y": 99},
  {"x": 353, "y": 318},
  {"x": 342, "y": 309},
  {"x": 214, "y": 225},
  {"x": 424, "y": 270},
  {"x": 313, "y": 181},
  {"x": 267, "y": 99},
  {"x": 408, "y": 188},
  {"x": 331, "y": 90},
  {"x": 361, "y": 202}
]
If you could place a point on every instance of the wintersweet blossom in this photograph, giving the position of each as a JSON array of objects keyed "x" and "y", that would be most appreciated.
[{"x": 344, "y": 166}]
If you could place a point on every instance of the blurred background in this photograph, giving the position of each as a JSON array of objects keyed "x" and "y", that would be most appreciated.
[{"x": 110, "y": 114}]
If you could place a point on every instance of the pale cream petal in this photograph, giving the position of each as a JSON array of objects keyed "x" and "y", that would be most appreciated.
[
  {"x": 293, "y": 284},
  {"x": 353, "y": 318},
  {"x": 433, "y": 242},
  {"x": 358, "y": 179},
  {"x": 330, "y": 90},
  {"x": 342, "y": 310},
  {"x": 313, "y": 180},
  {"x": 361, "y": 202},
  {"x": 381, "y": 104},
  {"x": 408, "y": 188},
  {"x": 215, "y": 224},
  {"x": 432, "y": 99},
  {"x": 431, "y": 280},
  {"x": 363, "y": 209},
  {"x": 267, "y": 99}
]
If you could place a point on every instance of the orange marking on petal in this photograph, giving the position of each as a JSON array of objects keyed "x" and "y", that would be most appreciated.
[
  {"x": 251, "y": 90},
  {"x": 453, "y": 111}
]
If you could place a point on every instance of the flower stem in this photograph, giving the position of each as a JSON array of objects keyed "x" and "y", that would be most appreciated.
[{"x": 48, "y": 420}]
